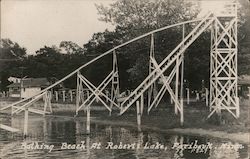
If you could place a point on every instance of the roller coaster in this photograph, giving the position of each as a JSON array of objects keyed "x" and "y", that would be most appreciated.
[{"x": 170, "y": 71}]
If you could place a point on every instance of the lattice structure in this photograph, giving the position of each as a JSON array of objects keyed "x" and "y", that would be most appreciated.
[
  {"x": 175, "y": 59},
  {"x": 223, "y": 65},
  {"x": 152, "y": 89},
  {"x": 115, "y": 87}
]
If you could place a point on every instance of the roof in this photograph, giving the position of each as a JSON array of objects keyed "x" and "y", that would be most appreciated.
[{"x": 31, "y": 82}]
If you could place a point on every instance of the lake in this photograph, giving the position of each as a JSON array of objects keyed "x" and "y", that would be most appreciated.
[{"x": 63, "y": 137}]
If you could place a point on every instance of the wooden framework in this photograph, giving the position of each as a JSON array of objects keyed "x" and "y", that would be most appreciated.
[
  {"x": 115, "y": 87},
  {"x": 15, "y": 109},
  {"x": 174, "y": 58},
  {"x": 170, "y": 71},
  {"x": 223, "y": 65}
]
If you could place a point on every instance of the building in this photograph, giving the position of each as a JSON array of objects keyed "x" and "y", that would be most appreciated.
[{"x": 29, "y": 87}]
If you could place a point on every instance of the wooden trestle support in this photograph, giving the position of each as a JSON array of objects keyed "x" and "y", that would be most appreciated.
[
  {"x": 175, "y": 58},
  {"x": 223, "y": 63},
  {"x": 223, "y": 80}
]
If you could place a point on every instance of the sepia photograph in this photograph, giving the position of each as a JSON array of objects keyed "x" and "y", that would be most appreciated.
[{"x": 124, "y": 79}]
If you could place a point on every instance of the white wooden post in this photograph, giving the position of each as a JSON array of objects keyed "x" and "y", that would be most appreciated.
[
  {"x": 63, "y": 95},
  {"x": 142, "y": 104},
  {"x": 88, "y": 121},
  {"x": 111, "y": 96},
  {"x": 207, "y": 92},
  {"x": 182, "y": 112},
  {"x": 56, "y": 93},
  {"x": 78, "y": 91},
  {"x": 49, "y": 100},
  {"x": 176, "y": 86},
  {"x": 138, "y": 115},
  {"x": 188, "y": 96},
  {"x": 26, "y": 118},
  {"x": 45, "y": 103},
  {"x": 238, "y": 107},
  {"x": 171, "y": 100},
  {"x": 249, "y": 93}
]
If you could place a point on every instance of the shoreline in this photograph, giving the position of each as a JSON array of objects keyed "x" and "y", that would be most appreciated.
[{"x": 163, "y": 119}]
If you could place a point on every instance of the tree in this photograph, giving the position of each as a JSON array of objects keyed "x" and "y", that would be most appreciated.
[
  {"x": 71, "y": 47},
  {"x": 50, "y": 62},
  {"x": 133, "y": 18},
  {"x": 146, "y": 13},
  {"x": 11, "y": 50},
  {"x": 244, "y": 38},
  {"x": 11, "y": 56}
]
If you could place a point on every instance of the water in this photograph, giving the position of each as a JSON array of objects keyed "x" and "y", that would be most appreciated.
[{"x": 57, "y": 131}]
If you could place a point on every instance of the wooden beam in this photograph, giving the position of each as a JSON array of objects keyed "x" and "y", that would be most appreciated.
[{"x": 8, "y": 128}]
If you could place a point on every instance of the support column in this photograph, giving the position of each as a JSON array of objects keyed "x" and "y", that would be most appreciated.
[
  {"x": 142, "y": 103},
  {"x": 56, "y": 94},
  {"x": 152, "y": 89},
  {"x": 224, "y": 74},
  {"x": 46, "y": 102},
  {"x": 26, "y": 118},
  {"x": 207, "y": 95},
  {"x": 138, "y": 110},
  {"x": 182, "y": 64},
  {"x": 88, "y": 121},
  {"x": 237, "y": 110},
  {"x": 115, "y": 86},
  {"x": 49, "y": 100},
  {"x": 77, "y": 92},
  {"x": 63, "y": 96},
  {"x": 248, "y": 93},
  {"x": 176, "y": 86},
  {"x": 188, "y": 95},
  {"x": 182, "y": 113}
]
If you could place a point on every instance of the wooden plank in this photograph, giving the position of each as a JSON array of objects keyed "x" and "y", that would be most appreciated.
[
  {"x": 8, "y": 128},
  {"x": 26, "y": 120},
  {"x": 37, "y": 111}
]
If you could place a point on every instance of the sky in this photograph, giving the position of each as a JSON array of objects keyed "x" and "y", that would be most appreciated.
[{"x": 36, "y": 23}]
